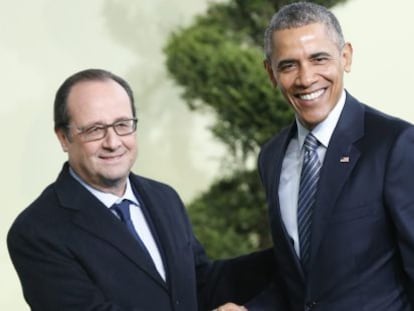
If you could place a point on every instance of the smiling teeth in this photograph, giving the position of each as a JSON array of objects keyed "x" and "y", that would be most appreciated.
[{"x": 311, "y": 96}]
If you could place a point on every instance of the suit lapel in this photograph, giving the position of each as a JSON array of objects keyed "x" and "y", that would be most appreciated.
[
  {"x": 96, "y": 219},
  {"x": 278, "y": 226},
  {"x": 159, "y": 222},
  {"x": 160, "y": 219},
  {"x": 340, "y": 159}
]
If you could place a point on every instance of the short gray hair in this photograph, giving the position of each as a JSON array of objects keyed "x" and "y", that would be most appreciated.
[{"x": 300, "y": 14}]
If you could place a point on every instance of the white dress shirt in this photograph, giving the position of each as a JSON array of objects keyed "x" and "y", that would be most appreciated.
[
  {"x": 137, "y": 217},
  {"x": 292, "y": 165}
]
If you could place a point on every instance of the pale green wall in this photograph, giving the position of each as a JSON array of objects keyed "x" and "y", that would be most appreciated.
[{"x": 44, "y": 41}]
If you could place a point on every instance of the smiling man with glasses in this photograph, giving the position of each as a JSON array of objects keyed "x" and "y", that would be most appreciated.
[
  {"x": 98, "y": 129},
  {"x": 103, "y": 238}
]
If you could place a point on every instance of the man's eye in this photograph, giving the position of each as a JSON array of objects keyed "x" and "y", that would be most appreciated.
[
  {"x": 320, "y": 59},
  {"x": 122, "y": 124},
  {"x": 286, "y": 67},
  {"x": 93, "y": 129}
]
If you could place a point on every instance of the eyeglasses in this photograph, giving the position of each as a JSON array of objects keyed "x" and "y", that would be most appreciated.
[{"x": 98, "y": 131}]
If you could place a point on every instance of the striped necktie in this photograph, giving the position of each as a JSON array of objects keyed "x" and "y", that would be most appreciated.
[{"x": 307, "y": 189}]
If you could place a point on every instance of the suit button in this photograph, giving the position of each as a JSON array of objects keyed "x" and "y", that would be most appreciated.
[
  {"x": 177, "y": 302},
  {"x": 311, "y": 304}
]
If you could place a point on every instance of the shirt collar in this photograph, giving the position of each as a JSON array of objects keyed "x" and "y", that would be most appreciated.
[
  {"x": 108, "y": 199},
  {"x": 324, "y": 130}
]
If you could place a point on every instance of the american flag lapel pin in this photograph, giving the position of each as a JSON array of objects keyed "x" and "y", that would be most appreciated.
[{"x": 344, "y": 159}]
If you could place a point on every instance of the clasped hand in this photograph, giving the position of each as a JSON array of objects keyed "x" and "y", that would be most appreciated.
[{"x": 230, "y": 307}]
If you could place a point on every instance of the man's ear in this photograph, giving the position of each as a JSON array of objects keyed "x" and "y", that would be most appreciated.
[
  {"x": 268, "y": 67},
  {"x": 347, "y": 53},
  {"x": 63, "y": 139}
]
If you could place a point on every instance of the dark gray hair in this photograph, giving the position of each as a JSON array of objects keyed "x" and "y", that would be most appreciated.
[
  {"x": 61, "y": 115},
  {"x": 300, "y": 14}
]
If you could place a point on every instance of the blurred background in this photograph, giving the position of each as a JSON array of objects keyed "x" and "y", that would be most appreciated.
[{"x": 200, "y": 125}]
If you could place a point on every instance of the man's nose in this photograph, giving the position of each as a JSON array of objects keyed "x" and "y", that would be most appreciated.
[
  {"x": 306, "y": 76},
  {"x": 111, "y": 139}
]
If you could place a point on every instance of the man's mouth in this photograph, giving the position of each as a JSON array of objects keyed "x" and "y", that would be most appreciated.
[
  {"x": 311, "y": 96},
  {"x": 111, "y": 157}
]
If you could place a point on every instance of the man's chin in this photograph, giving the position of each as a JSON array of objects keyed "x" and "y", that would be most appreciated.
[{"x": 113, "y": 181}]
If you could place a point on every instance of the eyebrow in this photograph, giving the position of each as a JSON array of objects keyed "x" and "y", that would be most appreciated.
[{"x": 319, "y": 54}]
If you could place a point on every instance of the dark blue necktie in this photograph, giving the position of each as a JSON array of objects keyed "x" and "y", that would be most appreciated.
[
  {"x": 122, "y": 210},
  {"x": 307, "y": 189}
]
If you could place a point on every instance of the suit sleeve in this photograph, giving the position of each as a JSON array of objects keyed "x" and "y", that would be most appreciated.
[
  {"x": 52, "y": 279},
  {"x": 235, "y": 280},
  {"x": 399, "y": 196},
  {"x": 217, "y": 282}
]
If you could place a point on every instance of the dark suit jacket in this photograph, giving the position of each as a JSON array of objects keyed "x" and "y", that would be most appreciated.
[
  {"x": 71, "y": 253},
  {"x": 362, "y": 244}
]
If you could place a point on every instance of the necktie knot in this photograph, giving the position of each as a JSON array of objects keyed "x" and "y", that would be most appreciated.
[
  {"x": 311, "y": 143},
  {"x": 122, "y": 209}
]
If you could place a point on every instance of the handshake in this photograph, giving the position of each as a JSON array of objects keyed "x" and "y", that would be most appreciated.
[{"x": 230, "y": 307}]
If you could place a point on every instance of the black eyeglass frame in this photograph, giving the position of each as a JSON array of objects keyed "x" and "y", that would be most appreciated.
[{"x": 90, "y": 132}]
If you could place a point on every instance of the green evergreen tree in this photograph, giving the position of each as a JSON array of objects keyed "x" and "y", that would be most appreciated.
[{"x": 218, "y": 62}]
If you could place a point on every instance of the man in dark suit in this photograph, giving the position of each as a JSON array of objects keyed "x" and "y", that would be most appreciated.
[
  {"x": 103, "y": 238},
  {"x": 339, "y": 180}
]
